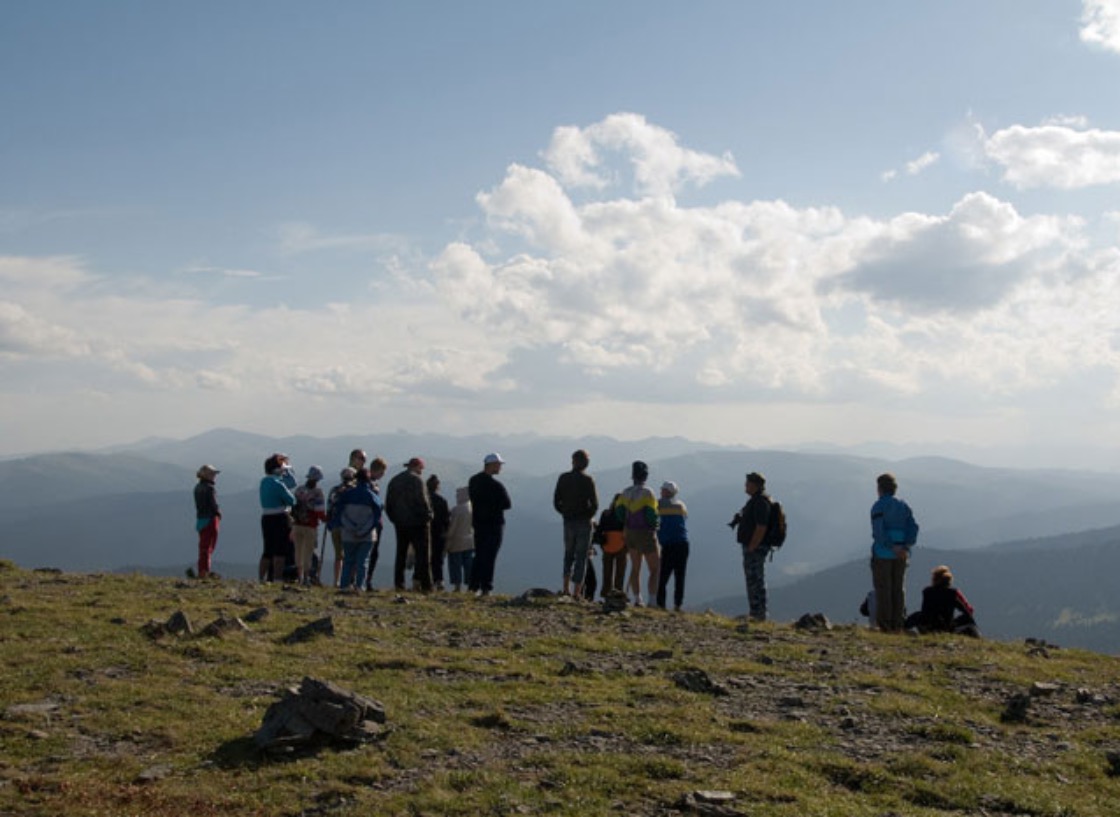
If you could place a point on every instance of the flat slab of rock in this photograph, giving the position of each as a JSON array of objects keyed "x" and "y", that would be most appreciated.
[
  {"x": 322, "y": 626},
  {"x": 319, "y": 712}
]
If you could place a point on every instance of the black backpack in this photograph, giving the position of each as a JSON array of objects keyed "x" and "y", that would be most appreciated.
[{"x": 776, "y": 526}]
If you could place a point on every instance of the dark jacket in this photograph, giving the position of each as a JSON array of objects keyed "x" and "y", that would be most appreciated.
[
  {"x": 206, "y": 500},
  {"x": 489, "y": 500},
  {"x": 441, "y": 516},
  {"x": 407, "y": 503},
  {"x": 756, "y": 512},
  {"x": 575, "y": 496}
]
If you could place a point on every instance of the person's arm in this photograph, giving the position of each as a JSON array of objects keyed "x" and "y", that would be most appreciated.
[
  {"x": 961, "y": 603},
  {"x": 557, "y": 504}
]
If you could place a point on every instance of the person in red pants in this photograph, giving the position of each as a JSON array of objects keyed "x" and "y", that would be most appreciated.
[{"x": 208, "y": 520}]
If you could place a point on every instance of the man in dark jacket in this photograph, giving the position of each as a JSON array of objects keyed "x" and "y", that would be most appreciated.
[
  {"x": 577, "y": 501},
  {"x": 410, "y": 510},
  {"x": 752, "y": 524},
  {"x": 489, "y": 502}
]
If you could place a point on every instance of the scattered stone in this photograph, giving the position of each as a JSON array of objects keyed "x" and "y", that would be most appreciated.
[
  {"x": 153, "y": 774},
  {"x": 38, "y": 734},
  {"x": 1113, "y": 758},
  {"x": 766, "y": 660},
  {"x": 1087, "y": 696},
  {"x": 1016, "y": 710},
  {"x": 712, "y": 803},
  {"x": 117, "y": 620},
  {"x": 323, "y": 626},
  {"x": 46, "y": 708},
  {"x": 222, "y": 625},
  {"x": 813, "y": 622},
  {"x": 572, "y": 668},
  {"x": 696, "y": 680},
  {"x": 259, "y": 614},
  {"x": 179, "y": 623},
  {"x": 660, "y": 655},
  {"x": 1042, "y": 689},
  {"x": 318, "y": 713},
  {"x": 615, "y": 602},
  {"x": 400, "y": 599}
]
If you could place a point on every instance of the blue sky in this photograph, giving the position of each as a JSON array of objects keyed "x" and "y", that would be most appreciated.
[{"x": 766, "y": 223}]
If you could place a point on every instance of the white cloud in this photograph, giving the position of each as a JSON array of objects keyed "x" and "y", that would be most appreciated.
[
  {"x": 1101, "y": 23},
  {"x": 914, "y": 167},
  {"x": 298, "y": 238},
  {"x": 1055, "y": 156}
]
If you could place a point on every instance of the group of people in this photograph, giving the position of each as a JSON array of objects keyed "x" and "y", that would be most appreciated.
[{"x": 637, "y": 529}]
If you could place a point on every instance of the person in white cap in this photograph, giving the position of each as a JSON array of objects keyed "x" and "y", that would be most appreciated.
[
  {"x": 310, "y": 509},
  {"x": 208, "y": 518},
  {"x": 489, "y": 503},
  {"x": 672, "y": 535}
]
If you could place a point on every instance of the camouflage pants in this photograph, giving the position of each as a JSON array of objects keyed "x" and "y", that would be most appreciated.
[{"x": 754, "y": 567}]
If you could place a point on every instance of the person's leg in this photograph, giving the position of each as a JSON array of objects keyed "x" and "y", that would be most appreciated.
[
  {"x": 361, "y": 556},
  {"x": 401, "y": 561},
  {"x": 898, "y": 582},
  {"x": 756, "y": 583},
  {"x": 663, "y": 574},
  {"x": 336, "y": 543},
  {"x": 581, "y": 544},
  {"x": 681, "y": 570},
  {"x": 438, "y": 547},
  {"x": 634, "y": 585},
  {"x": 467, "y": 560},
  {"x": 207, "y": 541},
  {"x": 653, "y": 564},
  {"x": 880, "y": 580},
  {"x": 608, "y": 574},
  {"x": 569, "y": 557},
  {"x": 620, "y": 559},
  {"x": 420, "y": 536}
]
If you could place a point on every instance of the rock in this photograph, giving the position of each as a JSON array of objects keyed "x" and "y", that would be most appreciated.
[
  {"x": 153, "y": 773},
  {"x": 222, "y": 625},
  {"x": 814, "y": 622},
  {"x": 1041, "y": 689},
  {"x": 179, "y": 624},
  {"x": 660, "y": 655},
  {"x": 1016, "y": 711},
  {"x": 1113, "y": 758},
  {"x": 719, "y": 805},
  {"x": 46, "y": 708},
  {"x": 154, "y": 629},
  {"x": 259, "y": 614},
  {"x": 696, "y": 680},
  {"x": 323, "y": 626},
  {"x": 1087, "y": 696},
  {"x": 319, "y": 712},
  {"x": 615, "y": 602}
]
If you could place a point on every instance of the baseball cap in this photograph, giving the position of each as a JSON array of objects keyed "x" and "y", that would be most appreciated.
[
  {"x": 415, "y": 462},
  {"x": 491, "y": 458}
]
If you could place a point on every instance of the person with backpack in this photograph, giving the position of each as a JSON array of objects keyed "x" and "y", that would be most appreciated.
[
  {"x": 576, "y": 500},
  {"x": 608, "y": 536},
  {"x": 637, "y": 511},
  {"x": 357, "y": 515},
  {"x": 208, "y": 518},
  {"x": 893, "y": 533},
  {"x": 310, "y": 509},
  {"x": 672, "y": 534},
  {"x": 347, "y": 479},
  {"x": 752, "y": 526}
]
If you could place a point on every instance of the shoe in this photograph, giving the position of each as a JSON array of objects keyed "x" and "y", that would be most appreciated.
[
  {"x": 676, "y": 608},
  {"x": 638, "y": 602},
  {"x": 191, "y": 574}
]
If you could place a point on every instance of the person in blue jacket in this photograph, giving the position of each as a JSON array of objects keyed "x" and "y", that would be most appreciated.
[
  {"x": 672, "y": 534},
  {"x": 277, "y": 499},
  {"x": 893, "y": 533},
  {"x": 357, "y": 513}
]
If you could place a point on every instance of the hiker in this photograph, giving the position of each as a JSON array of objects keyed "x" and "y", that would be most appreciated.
[
  {"x": 489, "y": 503},
  {"x": 357, "y": 515},
  {"x": 576, "y": 500},
  {"x": 441, "y": 518},
  {"x": 672, "y": 535},
  {"x": 357, "y": 460},
  {"x": 276, "y": 499},
  {"x": 409, "y": 508},
  {"x": 347, "y": 479},
  {"x": 751, "y": 525},
  {"x": 310, "y": 509},
  {"x": 637, "y": 510},
  {"x": 377, "y": 470},
  {"x": 608, "y": 536},
  {"x": 460, "y": 540},
  {"x": 939, "y": 603},
  {"x": 208, "y": 517},
  {"x": 893, "y": 533}
]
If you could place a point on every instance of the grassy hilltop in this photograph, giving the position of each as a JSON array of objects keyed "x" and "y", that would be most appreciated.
[{"x": 502, "y": 707}]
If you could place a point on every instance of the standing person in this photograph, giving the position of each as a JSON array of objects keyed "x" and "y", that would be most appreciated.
[
  {"x": 310, "y": 509},
  {"x": 441, "y": 518},
  {"x": 276, "y": 499},
  {"x": 208, "y": 517},
  {"x": 347, "y": 479},
  {"x": 409, "y": 508},
  {"x": 752, "y": 524},
  {"x": 489, "y": 503},
  {"x": 460, "y": 540},
  {"x": 609, "y": 537},
  {"x": 576, "y": 500},
  {"x": 672, "y": 534},
  {"x": 358, "y": 514},
  {"x": 637, "y": 510},
  {"x": 377, "y": 470},
  {"x": 893, "y": 532}
]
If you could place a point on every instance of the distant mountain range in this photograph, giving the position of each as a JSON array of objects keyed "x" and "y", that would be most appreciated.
[{"x": 132, "y": 506}]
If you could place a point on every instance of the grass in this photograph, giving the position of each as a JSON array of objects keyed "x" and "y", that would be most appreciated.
[{"x": 550, "y": 708}]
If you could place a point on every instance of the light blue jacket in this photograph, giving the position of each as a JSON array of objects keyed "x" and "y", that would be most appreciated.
[{"x": 892, "y": 524}]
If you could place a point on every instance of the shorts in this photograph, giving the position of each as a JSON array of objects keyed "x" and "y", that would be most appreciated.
[
  {"x": 276, "y": 528},
  {"x": 336, "y": 541},
  {"x": 641, "y": 541}
]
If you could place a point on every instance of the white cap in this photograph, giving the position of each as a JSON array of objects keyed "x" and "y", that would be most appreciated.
[
  {"x": 491, "y": 458},
  {"x": 670, "y": 487}
]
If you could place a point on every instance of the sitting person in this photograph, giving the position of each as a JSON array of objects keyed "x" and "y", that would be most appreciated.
[{"x": 940, "y": 601}]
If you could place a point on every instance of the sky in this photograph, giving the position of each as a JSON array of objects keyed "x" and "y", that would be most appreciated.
[{"x": 771, "y": 223}]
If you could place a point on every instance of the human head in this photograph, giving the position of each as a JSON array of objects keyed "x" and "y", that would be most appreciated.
[
  {"x": 275, "y": 463},
  {"x": 941, "y": 576},
  {"x": 669, "y": 489},
  {"x": 492, "y": 463},
  {"x": 357, "y": 458},
  {"x": 580, "y": 460},
  {"x": 362, "y": 475},
  {"x": 462, "y": 495},
  {"x": 639, "y": 471},
  {"x": 415, "y": 464},
  {"x": 887, "y": 484},
  {"x": 377, "y": 468},
  {"x": 208, "y": 473},
  {"x": 433, "y": 483},
  {"x": 348, "y": 474},
  {"x": 314, "y": 474},
  {"x": 756, "y": 483}
]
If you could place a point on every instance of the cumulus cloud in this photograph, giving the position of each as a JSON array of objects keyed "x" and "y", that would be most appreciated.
[
  {"x": 1055, "y": 156},
  {"x": 1100, "y": 23}
]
